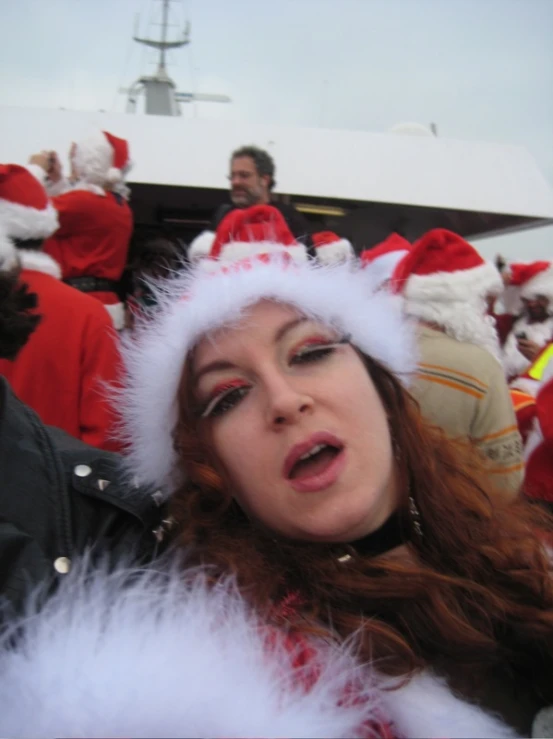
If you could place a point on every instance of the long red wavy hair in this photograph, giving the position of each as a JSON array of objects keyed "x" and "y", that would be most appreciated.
[{"x": 472, "y": 596}]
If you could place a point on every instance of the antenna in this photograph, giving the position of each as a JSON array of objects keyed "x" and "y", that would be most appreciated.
[
  {"x": 161, "y": 97},
  {"x": 163, "y": 44}
]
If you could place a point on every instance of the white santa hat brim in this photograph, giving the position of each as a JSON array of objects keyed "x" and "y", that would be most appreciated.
[
  {"x": 238, "y": 250},
  {"x": 541, "y": 284},
  {"x": 335, "y": 252},
  {"x": 145, "y": 654},
  {"x": 26, "y": 223},
  {"x": 460, "y": 285},
  {"x": 197, "y": 303},
  {"x": 382, "y": 268}
]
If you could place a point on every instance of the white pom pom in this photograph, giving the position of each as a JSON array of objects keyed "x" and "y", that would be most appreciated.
[
  {"x": 334, "y": 253},
  {"x": 201, "y": 246}
]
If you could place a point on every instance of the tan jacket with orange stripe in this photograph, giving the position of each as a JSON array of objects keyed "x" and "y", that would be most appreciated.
[{"x": 462, "y": 388}]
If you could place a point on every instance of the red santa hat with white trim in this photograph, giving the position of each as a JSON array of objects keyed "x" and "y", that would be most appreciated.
[
  {"x": 381, "y": 260},
  {"x": 26, "y": 212},
  {"x": 444, "y": 280},
  {"x": 329, "y": 248},
  {"x": 102, "y": 158},
  {"x": 254, "y": 258},
  {"x": 532, "y": 280}
]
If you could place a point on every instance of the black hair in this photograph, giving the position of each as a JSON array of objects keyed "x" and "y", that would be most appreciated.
[
  {"x": 17, "y": 322},
  {"x": 263, "y": 161}
]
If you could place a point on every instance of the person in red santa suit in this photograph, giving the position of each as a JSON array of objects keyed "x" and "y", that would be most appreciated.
[
  {"x": 74, "y": 351},
  {"x": 538, "y": 482},
  {"x": 95, "y": 220},
  {"x": 529, "y": 303}
]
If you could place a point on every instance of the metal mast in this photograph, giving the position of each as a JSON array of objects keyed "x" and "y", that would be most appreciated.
[{"x": 160, "y": 93}]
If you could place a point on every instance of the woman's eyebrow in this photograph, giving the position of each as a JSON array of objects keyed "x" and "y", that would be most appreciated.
[
  {"x": 221, "y": 364},
  {"x": 215, "y": 366},
  {"x": 283, "y": 330}
]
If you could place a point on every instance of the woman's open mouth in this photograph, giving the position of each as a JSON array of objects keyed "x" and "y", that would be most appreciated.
[{"x": 315, "y": 464}]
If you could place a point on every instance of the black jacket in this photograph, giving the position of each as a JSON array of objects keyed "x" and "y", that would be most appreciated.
[{"x": 60, "y": 497}]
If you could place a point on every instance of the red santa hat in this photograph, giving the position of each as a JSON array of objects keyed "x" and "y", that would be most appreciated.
[
  {"x": 330, "y": 248},
  {"x": 382, "y": 260},
  {"x": 532, "y": 279},
  {"x": 26, "y": 212},
  {"x": 102, "y": 158},
  {"x": 443, "y": 267},
  {"x": 246, "y": 232},
  {"x": 444, "y": 280},
  {"x": 246, "y": 265}
]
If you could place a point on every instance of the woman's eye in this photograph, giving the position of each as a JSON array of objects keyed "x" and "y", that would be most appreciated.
[
  {"x": 313, "y": 353},
  {"x": 223, "y": 403}
]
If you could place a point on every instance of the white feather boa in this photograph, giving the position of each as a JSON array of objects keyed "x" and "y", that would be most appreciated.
[{"x": 144, "y": 654}]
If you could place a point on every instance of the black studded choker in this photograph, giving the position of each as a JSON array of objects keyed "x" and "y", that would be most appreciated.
[{"x": 389, "y": 536}]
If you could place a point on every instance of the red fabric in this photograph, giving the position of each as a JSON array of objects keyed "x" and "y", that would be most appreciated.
[
  {"x": 18, "y": 185},
  {"x": 523, "y": 273},
  {"x": 93, "y": 237},
  {"x": 525, "y": 411},
  {"x": 60, "y": 370},
  {"x": 394, "y": 242},
  {"x": 438, "y": 250},
  {"x": 539, "y": 468},
  {"x": 324, "y": 238},
  {"x": 120, "y": 150},
  {"x": 504, "y": 325},
  {"x": 250, "y": 225},
  {"x": 304, "y": 660}
]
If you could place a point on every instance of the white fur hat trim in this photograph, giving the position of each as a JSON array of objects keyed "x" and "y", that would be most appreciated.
[
  {"x": 25, "y": 223},
  {"x": 541, "y": 284},
  {"x": 336, "y": 295},
  {"x": 336, "y": 251},
  {"x": 459, "y": 285}
]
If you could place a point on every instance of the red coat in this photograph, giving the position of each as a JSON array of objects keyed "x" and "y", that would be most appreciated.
[
  {"x": 93, "y": 237},
  {"x": 538, "y": 482},
  {"x": 59, "y": 373}
]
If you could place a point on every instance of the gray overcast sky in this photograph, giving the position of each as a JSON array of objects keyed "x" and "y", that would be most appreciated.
[{"x": 480, "y": 69}]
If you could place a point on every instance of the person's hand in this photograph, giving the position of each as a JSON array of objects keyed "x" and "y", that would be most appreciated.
[
  {"x": 55, "y": 169},
  {"x": 42, "y": 160},
  {"x": 528, "y": 349},
  {"x": 50, "y": 163}
]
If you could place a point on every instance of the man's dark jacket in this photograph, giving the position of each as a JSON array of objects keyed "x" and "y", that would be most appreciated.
[{"x": 60, "y": 498}]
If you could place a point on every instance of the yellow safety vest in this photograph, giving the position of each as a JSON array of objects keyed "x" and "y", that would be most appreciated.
[{"x": 536, "y": 370}]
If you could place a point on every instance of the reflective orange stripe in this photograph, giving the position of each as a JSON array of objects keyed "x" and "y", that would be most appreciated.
[
  {"x": 454, "y": 385},
  {"x": 498, "y": 434}
]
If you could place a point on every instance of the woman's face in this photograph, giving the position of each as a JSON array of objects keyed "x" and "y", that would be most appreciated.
[{"x": 298, "y": 426}]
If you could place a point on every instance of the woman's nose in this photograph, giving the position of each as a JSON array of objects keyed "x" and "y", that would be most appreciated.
[{"x": 287, "y": 404}]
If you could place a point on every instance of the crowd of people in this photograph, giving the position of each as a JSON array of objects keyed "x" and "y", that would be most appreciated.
[{"x": 288, "y": 490}]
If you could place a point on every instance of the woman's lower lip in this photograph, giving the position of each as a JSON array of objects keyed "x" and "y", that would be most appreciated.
[{"x": 322, "y": 480}]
